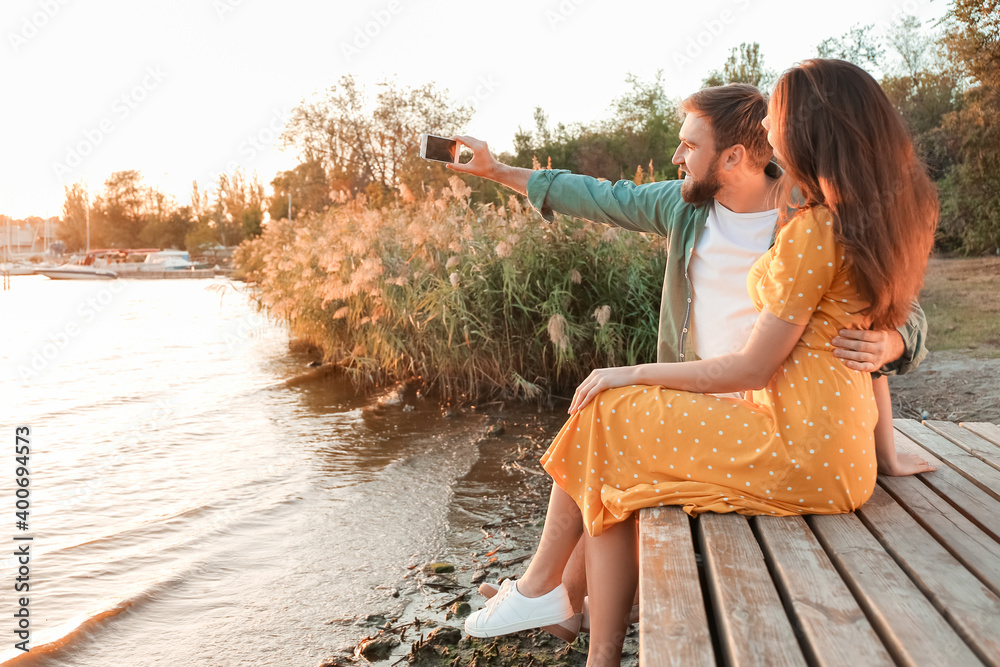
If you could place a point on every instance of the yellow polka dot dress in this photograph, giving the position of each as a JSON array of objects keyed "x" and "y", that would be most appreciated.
[{"x": 804, "y": 444}]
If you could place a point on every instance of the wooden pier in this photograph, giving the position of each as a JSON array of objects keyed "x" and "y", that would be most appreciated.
[
  {"x": 170, "y": 275},
  {"x": 911, "y": 578}
]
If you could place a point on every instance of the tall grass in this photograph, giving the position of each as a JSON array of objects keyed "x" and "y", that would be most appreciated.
[{"x": 474, "y": 302}]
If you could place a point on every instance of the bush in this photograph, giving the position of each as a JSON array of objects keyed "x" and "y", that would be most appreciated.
[{"x": 475, "y": 302}]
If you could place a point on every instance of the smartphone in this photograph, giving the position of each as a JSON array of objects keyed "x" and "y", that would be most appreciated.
[{"x": 440, "y": 149}]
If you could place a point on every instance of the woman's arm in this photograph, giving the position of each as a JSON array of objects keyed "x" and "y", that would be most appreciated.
[
  {"x": 770, "y": 343},
  {"x": 890, "y": 462}
]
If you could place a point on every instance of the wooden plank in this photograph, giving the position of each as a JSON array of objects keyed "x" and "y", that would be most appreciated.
[
  {"x": 982, "y": 449},
  {"x": 986, "y": 476},
  {"x": 972, "y": 609},
  {"x": 673, "y": 624},
  {"x": 984, "y": 430},
  {"x": 834, "y": 627},
  {"x": 910, "y": 627},
  {"x": 979, "y": 552},
  {"x": 969, "y": 499},
  {"x": 752, "y": 625}
]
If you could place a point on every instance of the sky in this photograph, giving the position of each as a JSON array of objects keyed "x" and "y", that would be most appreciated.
[{"x": 184, "y": 90}]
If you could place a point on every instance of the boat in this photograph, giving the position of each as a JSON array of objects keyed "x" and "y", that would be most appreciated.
[
  {"x": 77, "y": 272},
  {"x": 167, "y": 260},
  {"x": 109, "y": 263},
  {"x": 134, "y": 262},
  {"x": 17, "y": 269},
  {"x": 91, "y": 266}
]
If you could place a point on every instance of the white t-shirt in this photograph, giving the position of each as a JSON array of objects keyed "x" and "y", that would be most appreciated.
[{"x": 722, "y": 313}]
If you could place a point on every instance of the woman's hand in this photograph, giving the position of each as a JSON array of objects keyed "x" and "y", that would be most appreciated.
[
  {"x": 599, "y": 380},
  {"x": 904, "y": 464}
]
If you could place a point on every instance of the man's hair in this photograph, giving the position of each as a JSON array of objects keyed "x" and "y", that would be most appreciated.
[{"x": 735, "y": 112}]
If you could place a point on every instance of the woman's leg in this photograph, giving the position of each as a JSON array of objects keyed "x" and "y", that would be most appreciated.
[
  {"x": 563, "y": 529},
  {"x": 612, "y": 578},
  {"x": 891, "y": 462},
  {"x": 574, "y": 576}
]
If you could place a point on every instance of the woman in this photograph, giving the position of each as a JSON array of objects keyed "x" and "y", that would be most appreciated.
[{"x": 801, "y": 442}]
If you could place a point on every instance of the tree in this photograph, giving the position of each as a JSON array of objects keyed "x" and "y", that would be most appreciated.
[
  {"x": 922, "y": 85},
  {"x": 970, "y": 192},
  {"x": 73, "y": 224},
  {"x": 859, "y": 45},
  {"x": 166, "y": 223},
  {"x": 913, "y": 48},
  {"x": 364, "y": 142},
  {"x": 642, "y": 129},
  {"x": 308, "y": 187},
  {"x": 121, "y": 208},
  {"x": 204, "y": 230},
  {"x": 239, "y": 204},
  {"x": 744, "y": 65},
  {"x": 649, "y": 122}
]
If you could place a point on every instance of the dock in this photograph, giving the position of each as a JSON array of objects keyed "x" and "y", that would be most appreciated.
[
  {"x": 173, "y": 275},
  {"x": 911, "y": 578}
]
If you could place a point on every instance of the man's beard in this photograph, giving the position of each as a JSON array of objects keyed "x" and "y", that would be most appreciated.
[{"x": 699, "y": 191}]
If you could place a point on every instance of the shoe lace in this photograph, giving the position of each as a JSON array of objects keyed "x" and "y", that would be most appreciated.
[{"x": 502, "y": 594}]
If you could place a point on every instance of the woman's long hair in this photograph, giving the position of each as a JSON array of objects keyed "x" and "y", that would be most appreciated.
[{"x": 845, "y": 146}]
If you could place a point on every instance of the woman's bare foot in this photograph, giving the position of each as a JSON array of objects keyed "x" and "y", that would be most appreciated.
[{"x": 904, "y": 464}]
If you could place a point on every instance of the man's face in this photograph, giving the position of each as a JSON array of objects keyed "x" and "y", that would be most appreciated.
[{"x": 697, "y": 156}]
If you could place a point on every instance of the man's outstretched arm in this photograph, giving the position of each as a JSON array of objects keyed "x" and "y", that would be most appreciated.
[{"x": 652, "y": 207}]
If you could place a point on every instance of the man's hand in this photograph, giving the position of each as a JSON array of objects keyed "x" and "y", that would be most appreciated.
[
  {"x": 484, "y": 165},
  {"x": 868, "y": 350}
]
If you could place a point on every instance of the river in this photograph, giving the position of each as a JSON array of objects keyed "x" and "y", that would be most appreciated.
[{"x": 187, "y": 508}]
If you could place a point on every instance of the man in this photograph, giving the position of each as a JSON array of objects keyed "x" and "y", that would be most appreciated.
[{"x": 718, "y": 221}]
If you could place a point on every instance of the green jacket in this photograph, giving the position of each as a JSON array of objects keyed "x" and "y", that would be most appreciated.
[{"x": 658, "y": 208}]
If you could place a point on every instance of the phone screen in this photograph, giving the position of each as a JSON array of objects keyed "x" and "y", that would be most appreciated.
[{"x": 440, "y": 149}]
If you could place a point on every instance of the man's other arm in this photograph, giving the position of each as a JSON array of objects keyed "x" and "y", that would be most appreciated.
[{"x": 890, "y": 352}]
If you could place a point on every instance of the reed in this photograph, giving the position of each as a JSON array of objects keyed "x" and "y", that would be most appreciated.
[{"x": 474, "y": 302}]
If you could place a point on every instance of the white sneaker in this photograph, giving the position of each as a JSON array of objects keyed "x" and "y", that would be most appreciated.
[
  {"x": 509, "y": 611},
  {"x": 567, "y": 630}
]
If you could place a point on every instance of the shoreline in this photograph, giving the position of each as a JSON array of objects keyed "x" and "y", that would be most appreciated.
[{"x": 429, "y": 631}]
